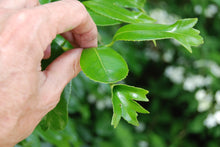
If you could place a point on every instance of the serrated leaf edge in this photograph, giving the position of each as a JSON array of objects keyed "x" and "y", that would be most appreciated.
[{"x": 137, "y": 123}]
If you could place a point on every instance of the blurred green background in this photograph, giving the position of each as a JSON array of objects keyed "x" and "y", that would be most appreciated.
[{"x": 184, "y": 89}]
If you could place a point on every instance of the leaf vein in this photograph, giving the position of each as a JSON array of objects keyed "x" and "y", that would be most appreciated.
[{"x": 100, "y": 60}]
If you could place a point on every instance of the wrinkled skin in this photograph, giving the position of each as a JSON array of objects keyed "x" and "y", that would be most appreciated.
[{"x": 26, "y": 31}]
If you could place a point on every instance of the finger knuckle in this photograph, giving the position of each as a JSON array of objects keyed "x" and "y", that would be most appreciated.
[
  {"x": 81, "y": 9},
  {"x": 21, "y": 17}
]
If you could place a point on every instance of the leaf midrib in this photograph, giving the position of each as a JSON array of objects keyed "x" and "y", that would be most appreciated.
[
  {"x": 175, "y": 33},
  {"x": 100, "y": 60},
  {"x": 125, "y": 16}
]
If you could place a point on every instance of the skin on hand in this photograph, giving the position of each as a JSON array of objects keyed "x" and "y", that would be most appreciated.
[{"x": 27, "y": 29}]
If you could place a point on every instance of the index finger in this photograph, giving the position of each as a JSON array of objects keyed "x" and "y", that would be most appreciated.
[{"x": 69, "y": 15}]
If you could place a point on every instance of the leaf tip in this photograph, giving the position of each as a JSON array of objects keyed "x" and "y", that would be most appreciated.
[
  {"x": 147, "y": 112},
  {"x": 114, "y": 124}
]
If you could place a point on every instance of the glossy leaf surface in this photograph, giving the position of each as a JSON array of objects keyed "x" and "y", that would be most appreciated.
[
  {"x": 181, "y": 31},
  {"x": 130, "y": 3},
  {"x": 127, "y": 3},
  {"x": 124, "y": 99},
  {"x": 63, "y": 43},
  {"x": 101, "y": 20},
  {"x": 44, "y": 1},
  {"x": 116, "y": 12},
  {"x": 103, "y": 64}
]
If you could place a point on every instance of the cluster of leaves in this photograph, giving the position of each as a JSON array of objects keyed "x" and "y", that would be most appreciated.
[
  {"x": 104, "y": 64},
  {"x": 174, "y": 119}
]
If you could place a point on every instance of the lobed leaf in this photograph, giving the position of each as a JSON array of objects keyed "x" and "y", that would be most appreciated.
[
  {"x": 116, "y": 12},
  {"x": 103, "y": 64},
  {"x": 181, "y": 31},
  {"x": 124, "y": 99}
]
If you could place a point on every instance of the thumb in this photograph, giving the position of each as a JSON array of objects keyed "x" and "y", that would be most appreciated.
[{"x": 61, "y": 71}]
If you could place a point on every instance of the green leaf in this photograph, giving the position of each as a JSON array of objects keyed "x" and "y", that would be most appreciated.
[
  {"x": 182, "y": 31},
  {"x": 116, "y": 12},
  {"x": 63, "y": 43},
  {"x": 103, "y": 64},
  {"x": 124, "y": 132},
  {"x": 127, "y": 3},
  {"x": 44, "y": 1},
  {"x": 64, "y": 138},
  {"x": 57, "y": 118},
  {"x": 32, "y": 141},
  {"x": 56, "y": 51},
  {"x": 130, "y": 3},
  {"x": 102, "y": 20},
  {"x": 124, "y": 99},
  {"x": 217, "y": 2}
]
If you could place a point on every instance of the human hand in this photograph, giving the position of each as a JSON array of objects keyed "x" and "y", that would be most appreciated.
[{"x": 27, "y": 29}]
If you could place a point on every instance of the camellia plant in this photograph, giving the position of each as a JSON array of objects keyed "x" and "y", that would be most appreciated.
[{"x": 103, "y": 64}]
